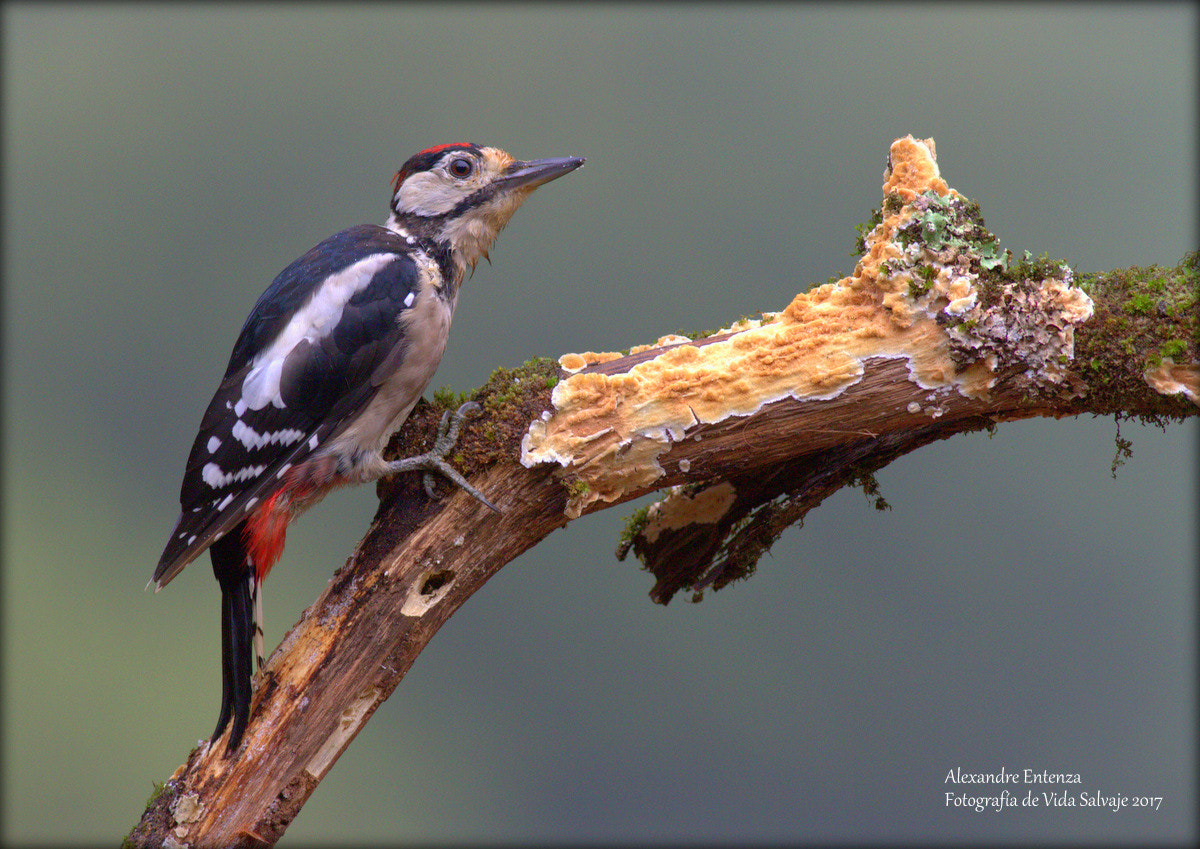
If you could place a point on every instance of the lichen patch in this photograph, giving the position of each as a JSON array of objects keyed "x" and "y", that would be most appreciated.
[{"x": 187, "y": 808}]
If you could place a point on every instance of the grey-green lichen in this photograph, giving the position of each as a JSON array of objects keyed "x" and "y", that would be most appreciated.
[{"x": 1009, "y": 316}]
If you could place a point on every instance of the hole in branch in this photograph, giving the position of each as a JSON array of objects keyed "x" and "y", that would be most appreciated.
[{"x": 435, "y": 581}]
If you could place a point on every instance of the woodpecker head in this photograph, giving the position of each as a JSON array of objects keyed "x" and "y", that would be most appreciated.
[{"x": 462, "y": 195}]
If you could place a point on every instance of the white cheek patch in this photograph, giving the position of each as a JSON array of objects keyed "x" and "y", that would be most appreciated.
[{"x": 428, "y": 193}]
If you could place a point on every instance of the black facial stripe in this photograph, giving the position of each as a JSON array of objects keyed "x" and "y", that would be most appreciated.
[{"x": 477, "y": 198}]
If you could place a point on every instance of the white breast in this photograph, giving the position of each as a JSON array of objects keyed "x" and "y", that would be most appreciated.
[{"x": 426, "y": 327}]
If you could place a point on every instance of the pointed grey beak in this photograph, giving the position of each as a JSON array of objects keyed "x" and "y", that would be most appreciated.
[{"x": 533, "y": 174}]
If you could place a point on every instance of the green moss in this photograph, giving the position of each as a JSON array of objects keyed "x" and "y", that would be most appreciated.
[
  {"x": 864, "y": 229},
  {"x": 696, "y": 334},
  {"x": 448, "y": 398},
  {"x": 157, "y": 789},
  {"x": 1028, "y": 272},
  {"x": 1176, "y": 349},
  {"x": 1040, "y": 267},
  {"x": 634, "y": 526},
  {"x": 1140, "y": 304},
  {"x": 870, "y": 486},
  {"x": 511, "y": 398},
  {"x": 1152, "y": 293},
  {"x": 1028, "y": 267},
  {"x": 1142, "y": 315},
  {"x": 509, "y": 387},
  {"x": 923, "y": 275}
]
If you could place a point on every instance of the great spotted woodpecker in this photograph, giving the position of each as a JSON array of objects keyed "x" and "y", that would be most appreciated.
[{"x": 331, "y": 360}]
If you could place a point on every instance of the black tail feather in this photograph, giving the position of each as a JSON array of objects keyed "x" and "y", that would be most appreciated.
[{"x": 232, "y": 569}]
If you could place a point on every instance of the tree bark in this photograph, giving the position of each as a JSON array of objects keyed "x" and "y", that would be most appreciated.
[{"x": 935, "y": 333}]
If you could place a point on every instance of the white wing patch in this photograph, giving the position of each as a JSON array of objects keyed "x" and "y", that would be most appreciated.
[
  {"x": 214, "y": 476},
  {"x": 315, "y": 320},
  {"x": 251, "y": 438},
  {"x": 261, "y": 386},
  {"x": 213, "y": 444}
]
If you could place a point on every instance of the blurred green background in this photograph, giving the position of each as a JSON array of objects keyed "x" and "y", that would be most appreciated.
[{"x": 1017, "y": 607}]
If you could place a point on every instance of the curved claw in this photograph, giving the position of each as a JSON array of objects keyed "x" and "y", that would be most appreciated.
[
  {"x": 430, "y": 484},
  {"x": 450, "y": 472},
  {"x": 451, "y": 423}
]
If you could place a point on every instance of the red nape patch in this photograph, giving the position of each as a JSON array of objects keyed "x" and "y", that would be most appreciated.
[{"x": 266, "y": 532}]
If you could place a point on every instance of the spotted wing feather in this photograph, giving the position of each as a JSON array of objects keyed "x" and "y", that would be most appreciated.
[{"x": 324, "y": 379}]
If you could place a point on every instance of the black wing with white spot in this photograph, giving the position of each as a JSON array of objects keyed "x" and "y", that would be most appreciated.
[{"x": 300, "y": 371}]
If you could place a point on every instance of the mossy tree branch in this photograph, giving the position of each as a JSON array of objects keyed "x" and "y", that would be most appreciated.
[{"x": 936, "y": 333}]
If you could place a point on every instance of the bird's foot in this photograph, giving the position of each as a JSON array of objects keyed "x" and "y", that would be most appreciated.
[{"x": 434, "y": 460}]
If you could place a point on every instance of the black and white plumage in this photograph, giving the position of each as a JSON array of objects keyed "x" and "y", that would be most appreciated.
[
  {"x": 331, "y": 360},
  {"x": 303, "y": 367}
]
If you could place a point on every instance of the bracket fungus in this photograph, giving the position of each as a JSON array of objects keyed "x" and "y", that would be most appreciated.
[{"x": 931, "y": 289}]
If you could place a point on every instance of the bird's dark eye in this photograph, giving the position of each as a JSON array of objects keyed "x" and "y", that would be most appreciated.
[{"x": 461, "y": 168}]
